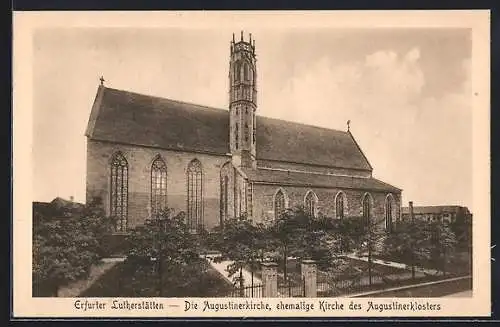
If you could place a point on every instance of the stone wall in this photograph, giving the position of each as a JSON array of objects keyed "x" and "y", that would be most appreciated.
[
  {"x": 139, "y": 182},
  {"x": 263, "y": 196}
]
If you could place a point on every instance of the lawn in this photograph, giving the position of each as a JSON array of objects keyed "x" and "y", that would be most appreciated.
[
  {"x": 128, "y": 280},
  {"x": 459, "y": 264}
]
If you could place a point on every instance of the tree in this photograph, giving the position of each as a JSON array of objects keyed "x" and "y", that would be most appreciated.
[
  {"x": 241, "y": 242},
  {"x": 301, "y": 235},
  {"x": 65, "y": 247},
  {"x": 351, "y": 231},
  {"x": 368, "y": 237},
  {"x": 443, "y": 243},
  {"x": 288, "y": 234},
  {"x": 462, "y": 228},
  {"x": 163, "y": 247},
  {"x": 409, "y": 242}
]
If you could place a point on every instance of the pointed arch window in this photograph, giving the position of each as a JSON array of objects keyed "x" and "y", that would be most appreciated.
[
  {"x": 388, "y": 213},
  {"x": 339, "y": 205},
  {"x": 367, "y": 208},
  {"x": 246, "y": 132},
  {"x": 254, "y": 127},
  {"x": 310, "y": 203},
  {"x": 279, "y": 204},
  {"x": 237, "y": 71},
  {"x": 246, "y": 72},
  {"x": 236, "y": 136},
  {"x": 158, "y": 186},
  {"x": 225, "y": 196},
  {"x": 119, "y": 191},
  {"x": 195, "y": 195},
  {"x": 243, "y": 200}
]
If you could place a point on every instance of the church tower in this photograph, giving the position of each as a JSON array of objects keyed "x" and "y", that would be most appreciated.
[{"x": 243, "y": 102}]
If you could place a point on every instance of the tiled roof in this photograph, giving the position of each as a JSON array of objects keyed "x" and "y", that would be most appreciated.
[
  {"x": 131, "y": 118},
  {"x": 433, "y": 209},
  {"x": 280, "y": 177}
]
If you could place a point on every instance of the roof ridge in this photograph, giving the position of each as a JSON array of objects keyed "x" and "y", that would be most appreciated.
[
  {"x": 378, "y": 180},
  {"x": 303, "y": 124},
  {"x": 220, "y": 109},
  {"x": 288, "y": 171},
  {"x": 167, "y": 99}
]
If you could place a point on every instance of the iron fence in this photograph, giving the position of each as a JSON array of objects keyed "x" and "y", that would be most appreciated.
[
  {"x": 247, "y": 291},
  {"x": 347, "y": 286},
  {"x": 292, "y": 288}
]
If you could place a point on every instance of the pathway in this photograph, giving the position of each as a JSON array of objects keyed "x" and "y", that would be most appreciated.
[
  {"x": 394, "y": 264},
  {"x": 221, "y": 267}
]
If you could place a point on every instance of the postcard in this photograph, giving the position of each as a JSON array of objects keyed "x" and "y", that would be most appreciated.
[{"x": 251, "y": 164}]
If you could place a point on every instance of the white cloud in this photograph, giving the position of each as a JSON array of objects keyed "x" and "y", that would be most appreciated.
[{"x": 421, "y": 144}]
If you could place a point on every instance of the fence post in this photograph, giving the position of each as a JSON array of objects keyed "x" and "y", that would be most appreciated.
[
  {"x": 412, "y": 241},
  {"x": 309, "y": 273},
  {"x": 269, "y": 279}
]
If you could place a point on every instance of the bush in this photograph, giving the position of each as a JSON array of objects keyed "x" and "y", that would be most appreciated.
[{"x": 64, "y": 248}]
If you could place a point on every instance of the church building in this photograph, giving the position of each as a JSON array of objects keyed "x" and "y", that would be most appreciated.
[{"x": 146, "y": 153}]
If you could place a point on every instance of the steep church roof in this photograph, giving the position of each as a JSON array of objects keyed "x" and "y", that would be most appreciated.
[
  {"x": 131, "y": 118},
  {"x": 294, "y": 178}
]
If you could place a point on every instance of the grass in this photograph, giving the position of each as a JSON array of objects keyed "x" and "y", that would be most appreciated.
[
  {"x": 459, "y": 262},
  {"x": 96, "y": 271},
  {"x": 128, "y": 280}
]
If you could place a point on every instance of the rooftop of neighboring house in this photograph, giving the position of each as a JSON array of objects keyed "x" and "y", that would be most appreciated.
[
  {"x": 441, "y": 209},
  {"x": 57, "y": 208}
]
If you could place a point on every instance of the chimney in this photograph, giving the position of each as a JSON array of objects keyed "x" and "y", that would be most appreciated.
[{"x": 410, "y": 210}]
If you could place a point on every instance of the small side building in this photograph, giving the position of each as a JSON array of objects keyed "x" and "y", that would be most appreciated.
[{"x": 448, "y": 213}]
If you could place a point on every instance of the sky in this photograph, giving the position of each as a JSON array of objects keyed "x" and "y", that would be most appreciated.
[{"x": 407, "y": 93}]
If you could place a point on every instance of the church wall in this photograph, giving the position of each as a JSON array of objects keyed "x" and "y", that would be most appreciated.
[
  {"x": 312, "y": 168},
  {"x": 263, "y": 196},
  {"x": 139, "y": 160}
]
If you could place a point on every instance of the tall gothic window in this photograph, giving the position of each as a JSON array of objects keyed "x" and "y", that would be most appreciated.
[
  {"x": 310, "y": 202},
  {"x": 254, "y": 127},
  {"x": 367, "y": 208},
  {"x": 119, "y": 191},
  {"x": 388, "y": 213},
  {"x": 195, "y": 195},
  {"x": 237, "y": 71},
  {"x": 246, "y": 132},
  {"x": 279, "y": 204},
  {"x": 246, "y": 72},
  {"x": 236, "y": 135},
  {"x": 158, "y": 186},
  {"x": 225, "y": 195},
  {"x": 242, "y": 199},
  {"x": 339, "y": 205}
]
